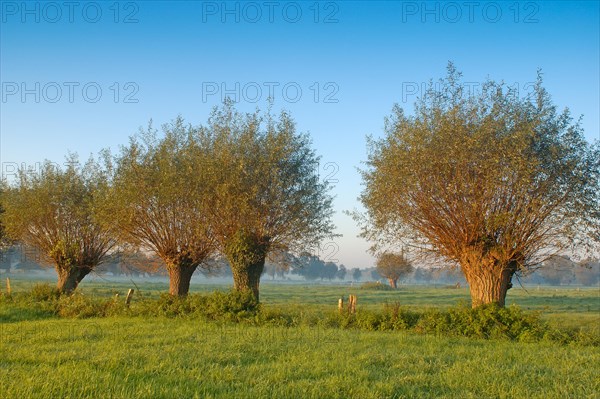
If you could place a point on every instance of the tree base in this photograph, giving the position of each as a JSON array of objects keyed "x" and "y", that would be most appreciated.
[
  {"x": 180, "y": 277},
  {"x": 246, "y": 253},
  {"x": 69, "y": 278},
  {"x": 248, "y": 278},
  {"x": 489, "y": 286}
]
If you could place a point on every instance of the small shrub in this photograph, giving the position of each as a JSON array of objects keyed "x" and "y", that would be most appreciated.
[
  {"x": 433, "y": 322},
  {"x": 6, "y": 298},
  {"x": 585, "y": 338},
  {"x": 370, "y": 321},
  {"x": 399, "y": 318},
  {"x": 44, "y": 293},
  {"x": 79, "y": 306},
  {"x": 169, "y": 306},
  {"x": 232, "y": 305},
  {"x": 485, "y": 322}
]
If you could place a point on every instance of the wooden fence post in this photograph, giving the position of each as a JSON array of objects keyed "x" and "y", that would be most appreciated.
[
  {"x": 351, "y": 303},
  {"x": 8, "y": 290},
  {"x": 129, "y": 295}
]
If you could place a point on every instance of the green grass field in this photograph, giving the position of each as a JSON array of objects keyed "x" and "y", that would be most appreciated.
[{"x": 45, "y": 356}]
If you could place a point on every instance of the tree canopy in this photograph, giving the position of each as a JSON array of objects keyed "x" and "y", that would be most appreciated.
[
  {"x": 393, "y": 266},
  {"x": 266, "y": 195},
  {"x": 5, "y": 241},
  {"x": 159, "y": 199},
  {"x": 55, "y": 211},
  {"x": 491, "y": 181}
]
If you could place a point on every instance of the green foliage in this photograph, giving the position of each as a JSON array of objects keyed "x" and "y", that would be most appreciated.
[
  {"x": 401, "y": 318},
  {"x": 486, "y": 322},
  {"x": 65, "y": 253},
  {"x": 265, "y": 180},
  {"x": 265, "y": 192},
  {"x": 44, "y": 292},
  {"x": 5, "y": 240},
  {"x": 277, "y": 316},
  {"x": 245, "y": 248},
  {"x": 227, "y": 306},
  {"x": 158, "y": 201},
  {"x": 45, "y": 301},
  {"x": 169, "y": 306},
  {"x": 235, "y": 304},
  {"x": 55, "y": 211},
  {"x": 79, "y": 306},
  {"x": 393, "y": 265}
]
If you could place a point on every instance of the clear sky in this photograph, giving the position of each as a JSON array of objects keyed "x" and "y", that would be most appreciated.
[{"x": 81, "y": 76}]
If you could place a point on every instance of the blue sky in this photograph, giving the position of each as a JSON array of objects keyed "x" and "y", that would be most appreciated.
[{"x": 83, "y": 76}]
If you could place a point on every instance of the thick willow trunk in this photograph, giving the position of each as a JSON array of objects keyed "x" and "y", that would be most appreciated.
[
  {"x": 247, "y": 276},
  {"x": 70, "y": 277},
  {"x": 489, "y": 284},
  {"x": 179, "y": 279},
  {"x": 246, "y": 253},
  {"x": 393, "y": 282}
]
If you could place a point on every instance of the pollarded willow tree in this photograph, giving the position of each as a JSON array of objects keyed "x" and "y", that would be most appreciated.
[
  {"x": 54, "y": 211},
  {"x": 393, "y": 266},
  {"x": 491, "y": 181},
  {"x": 5, "y": 241},
  {"x": 158, "y": 200},
  {"x": 266, "y": 195}
]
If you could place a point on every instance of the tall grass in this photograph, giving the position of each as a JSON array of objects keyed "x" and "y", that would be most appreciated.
[
  {"x": 488, "y": 322},
  {"x": 408, "y": 343},
  {"x": 166, "y": 358}
]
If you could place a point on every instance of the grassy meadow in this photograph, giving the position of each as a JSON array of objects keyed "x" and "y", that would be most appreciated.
[{"x": 45, "y": 356}]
